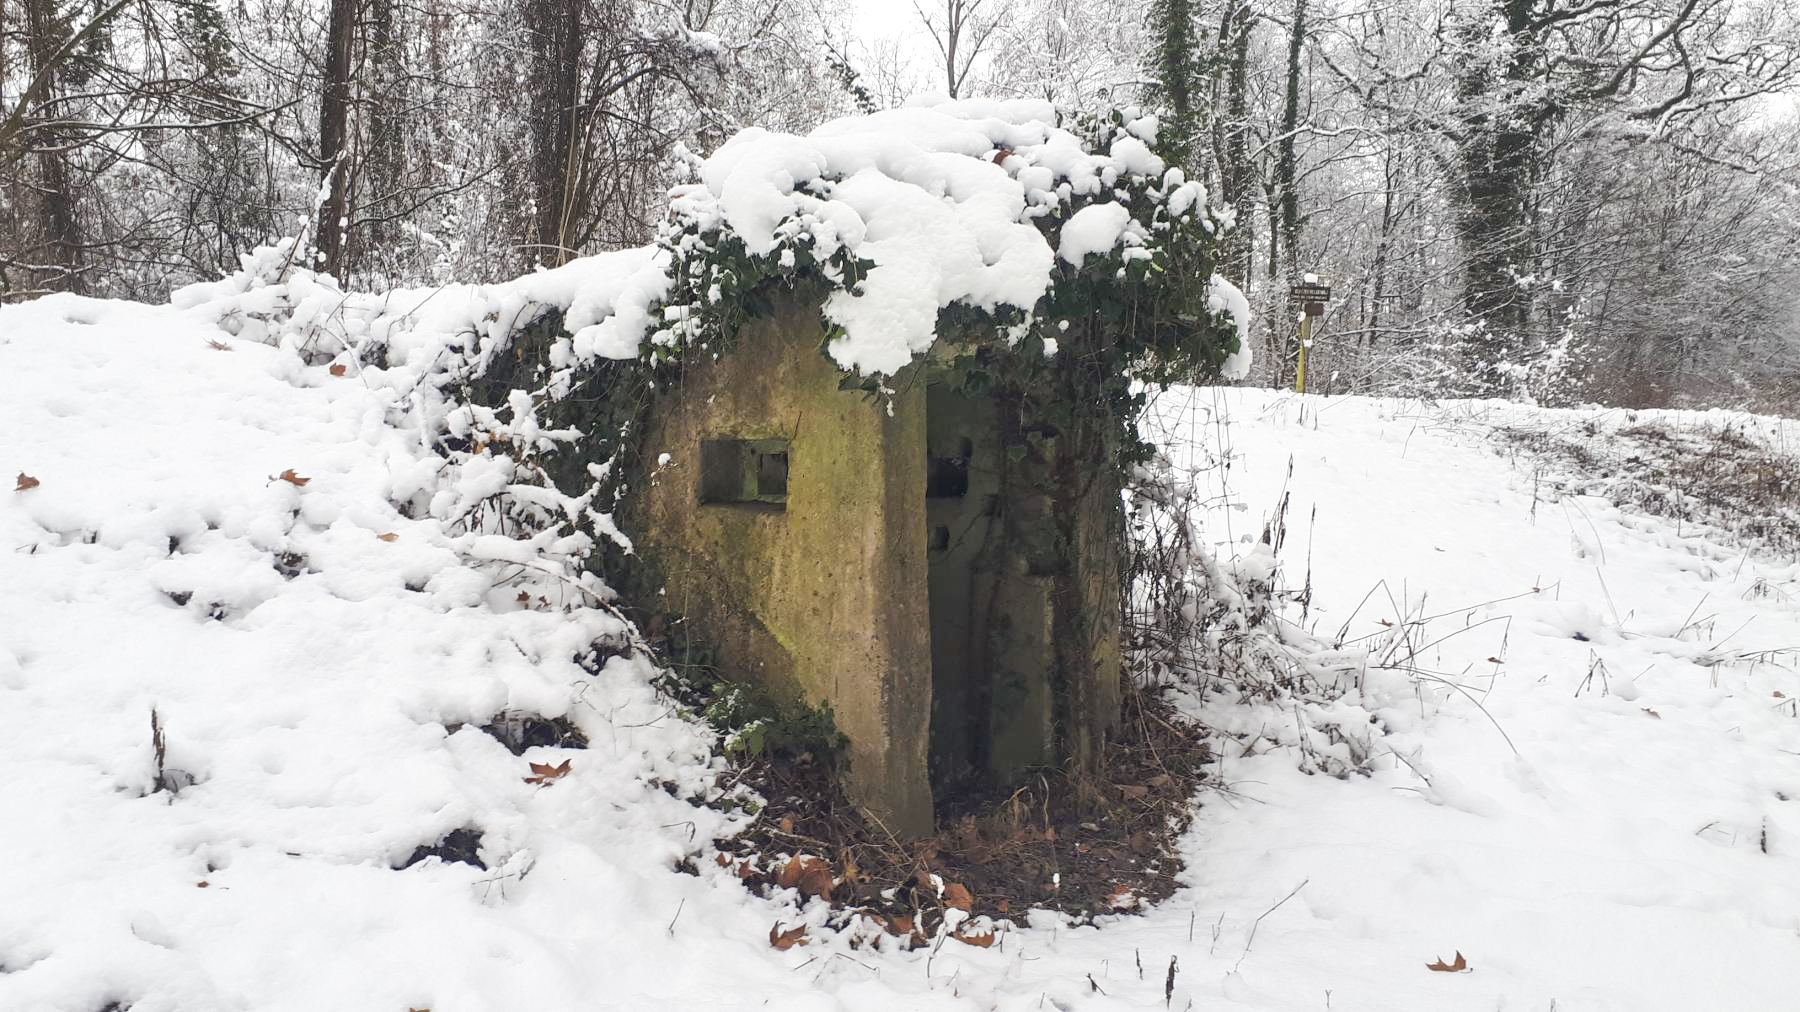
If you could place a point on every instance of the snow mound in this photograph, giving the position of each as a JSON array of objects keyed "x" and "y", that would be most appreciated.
[{"x": 248, "y": 547}]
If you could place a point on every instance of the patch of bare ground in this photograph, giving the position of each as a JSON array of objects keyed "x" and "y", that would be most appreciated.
[
  {"x": 1081, "y": 844},
  {"x": 1741, "y": 488}
]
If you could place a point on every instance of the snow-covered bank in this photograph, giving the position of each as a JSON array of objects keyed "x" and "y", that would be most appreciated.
[{"x": 1639, "y": 850}]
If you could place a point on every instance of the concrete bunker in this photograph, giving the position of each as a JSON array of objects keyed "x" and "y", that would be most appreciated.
[{"x": 922, "y": 564}]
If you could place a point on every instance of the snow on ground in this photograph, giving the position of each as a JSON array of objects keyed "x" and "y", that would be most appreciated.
[{"x": 1603, "y": 816}]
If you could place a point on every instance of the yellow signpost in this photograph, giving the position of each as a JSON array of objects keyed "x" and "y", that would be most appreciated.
[{"x": 1310, "y": 295}]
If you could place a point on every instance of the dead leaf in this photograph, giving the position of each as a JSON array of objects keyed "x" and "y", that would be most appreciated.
[
  {"x": 1778, "y": 693},
  {"x": 1121, "y": 898},
  {"x": 1460, "y": 965},
  {"x": 202, "y": 884},
  {"x": 26, "y": 481},
  {"x": 811, "y": 875},
  {"x": 900, "y": 925},
  {"x": 1160, "y": 781},
  {"x": 787, "y": 824},
  {"x": 1651, "y": 712},
  {"x": 339, "y": 369},
  {"x": 817, "y": 882},
  {"x": 1134, "y": 792},
  {"x": 1003, "y": 905},
  {"x": 389, "y": 537},
  {"x": 957, "y": 895},
  {"x": 545, "y": 773},
  {"x": 1494, "y": 660},
  {"x": 979, "y": 941},
  {"x": 291, "y": 478},
  {"x": 785, "y": 940},
  {"x": 1385, "y": 622},
  {"x": 218, "y": 345},
  {"x": 524, "y": 597}
]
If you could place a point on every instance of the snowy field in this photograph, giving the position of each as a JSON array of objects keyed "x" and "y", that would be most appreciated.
[{"x": 1579, "y": 727}]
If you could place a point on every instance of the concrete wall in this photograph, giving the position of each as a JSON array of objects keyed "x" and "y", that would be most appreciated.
[
  {"x": 825, "y": 599},
  {"x": 960, "y": 640}
]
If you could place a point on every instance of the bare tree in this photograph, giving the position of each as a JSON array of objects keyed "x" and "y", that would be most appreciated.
[{"x": 962, "y": 30}]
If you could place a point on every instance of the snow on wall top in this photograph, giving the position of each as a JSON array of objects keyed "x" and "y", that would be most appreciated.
[{"x": 941, "y": 198}]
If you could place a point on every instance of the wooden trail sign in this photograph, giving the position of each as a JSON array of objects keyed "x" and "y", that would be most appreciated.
[
  {"x": 1309, "y": 293},
  {"x": 1311, "y": 297}
]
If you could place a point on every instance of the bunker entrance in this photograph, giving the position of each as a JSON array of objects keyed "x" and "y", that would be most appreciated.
[{"x": 990, "y": 616}]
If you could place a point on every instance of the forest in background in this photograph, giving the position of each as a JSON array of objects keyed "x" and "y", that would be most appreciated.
[{"x": 1566, "y": 200}]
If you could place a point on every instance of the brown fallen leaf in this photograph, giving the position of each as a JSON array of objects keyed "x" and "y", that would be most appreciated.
[
  {"x": 957, "y": 895},
  {"x": 202, "y": 884},
  {"x": 1460, "y": 965},
  {"x": 1121, "y": 898},
  {"x": 979, "y": 941},
  {"x": 811, "y": 875},
  {"x": 218, "y": 345},
  {"x": 388, "y": 537},
  {"x": 785, "y": 940},
  {"x": 339, "y": 369},
  {"x": 1134, "y": 792},
  {"x": 291, "y": 478},
  {"x": 1778, "y": 693},
  {"x": 1160, "y": 781},
  {"x": 545, "y": 773},
  {"x": 1494, "y": 660},
  {"x": 26, "y": 481},
  {"x": 787, "y": 824}
]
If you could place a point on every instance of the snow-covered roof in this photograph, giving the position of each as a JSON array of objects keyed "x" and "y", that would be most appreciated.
[{"x": 944, "y": 199}]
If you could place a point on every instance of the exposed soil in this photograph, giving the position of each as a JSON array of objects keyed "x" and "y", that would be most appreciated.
[
  {"x": 1081, "y": 844},
  {"x": 1715, "y": 475}
]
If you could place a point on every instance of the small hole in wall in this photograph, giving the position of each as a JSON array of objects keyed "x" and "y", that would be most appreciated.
[
  {"x": 771, "y": 474},
  {"x": 752, "y": 472},
  {"x": 940, "y": 538}
]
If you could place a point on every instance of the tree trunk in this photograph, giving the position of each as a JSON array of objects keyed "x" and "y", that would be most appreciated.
[
  {"x": 1284, "y": 206},
  {"x": 1497, "y": 152},
  {"x": 555, "y": 31},
  {"x": 59, "y": 224},
  {"x": 1232, "y": 132},
  {"x": 334, "y": 135}
]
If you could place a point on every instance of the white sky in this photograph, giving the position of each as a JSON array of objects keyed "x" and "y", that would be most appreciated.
[{"x": 874, "y": 19}]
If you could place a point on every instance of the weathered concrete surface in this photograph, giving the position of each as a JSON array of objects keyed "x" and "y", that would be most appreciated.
[
  {"x": 961, "y": 639},
  {"x": 991, "y": 619},
  {"x": 826, "y": 599}
]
